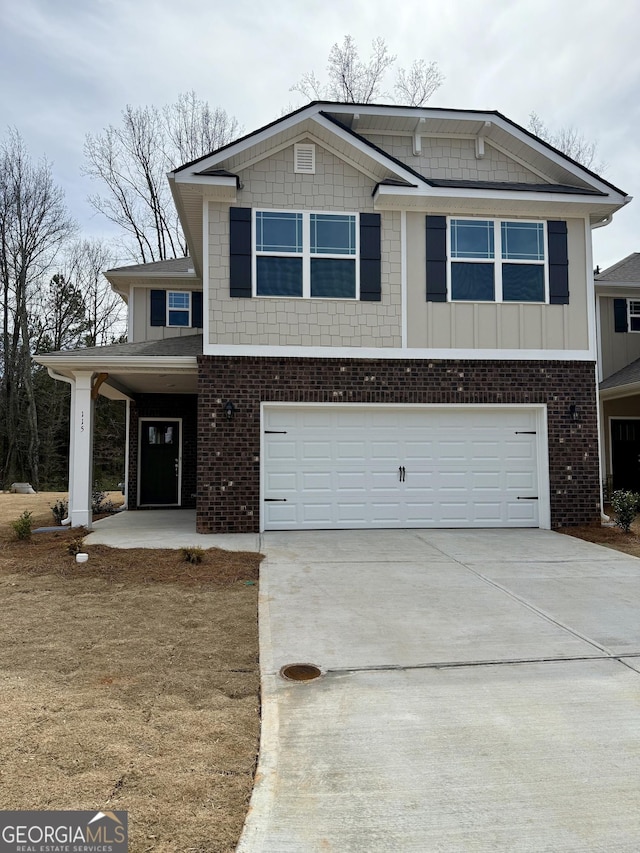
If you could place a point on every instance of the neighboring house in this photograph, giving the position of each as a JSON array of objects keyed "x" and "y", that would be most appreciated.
[
  {"x": 387, "y": 320},
  {"x": 618, "y": 313}
]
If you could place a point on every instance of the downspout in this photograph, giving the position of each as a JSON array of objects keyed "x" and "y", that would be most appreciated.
[
  {"x": 604, "y": 518},
  {"x": 60, "y": 378}
]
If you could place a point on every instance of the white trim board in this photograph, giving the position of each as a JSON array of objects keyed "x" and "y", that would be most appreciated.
[{"x": 397, "y": 353}]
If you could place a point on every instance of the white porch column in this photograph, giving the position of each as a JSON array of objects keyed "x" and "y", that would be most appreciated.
[{"x": 81, "y": 452}]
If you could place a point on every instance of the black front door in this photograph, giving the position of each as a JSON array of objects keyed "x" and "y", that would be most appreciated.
[
  {"x": 159, "y": 462},
  {"x": 625, "y": 453}
]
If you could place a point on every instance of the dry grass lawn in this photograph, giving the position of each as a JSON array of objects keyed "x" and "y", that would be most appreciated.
[{"x": 130, "y": 682}]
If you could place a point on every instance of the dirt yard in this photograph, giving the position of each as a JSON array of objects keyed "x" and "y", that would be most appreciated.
[
  {"x": 130, "y": 682},
  {"x": 611, "y": 537}
]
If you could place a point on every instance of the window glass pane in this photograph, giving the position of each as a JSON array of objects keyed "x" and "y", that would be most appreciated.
[
  {"x": 278, "y": 232},
  {"x": 523, "y": 282},
  {"x": 168, "y": 435},
  {"x": 279, "y": 276},
  {"x": 471, "y": 238},
  {"x": 333, "y": 234},
  {"x": 634, "y": 324},
  {"x": 473, "y": 282},
  {"x": 523, "y": 241},
  {"x": 178, "y": 318},
  {"x": 333, "y": 278},
  {"x": 178, "y": 300},
  {"x": 634, "y": 307}
]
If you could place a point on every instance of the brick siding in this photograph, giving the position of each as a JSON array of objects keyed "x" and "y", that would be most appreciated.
[{"x": 229, "y": 451}]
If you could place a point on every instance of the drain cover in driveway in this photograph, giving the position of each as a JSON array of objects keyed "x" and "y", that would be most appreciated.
[{"x": 300, "y": 672}]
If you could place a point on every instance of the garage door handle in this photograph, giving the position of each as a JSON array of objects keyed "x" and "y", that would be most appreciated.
[
  {"x": 526, "y": 432},
  {"x": 527, "y": 499},
  {"x": 275, "y": 499},
  {"x": 402, "y": 473}
]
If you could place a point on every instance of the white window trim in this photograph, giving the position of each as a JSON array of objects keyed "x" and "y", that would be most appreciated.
[
  {"x": 306, "y": 254},
  {"x": 497, "y": 261},
  {"x": 631, "y": 316},
  {"x": 188, "y": 311}
]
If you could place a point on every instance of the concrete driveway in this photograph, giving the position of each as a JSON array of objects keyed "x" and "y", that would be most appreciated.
[{"x": 480, "y": 692}]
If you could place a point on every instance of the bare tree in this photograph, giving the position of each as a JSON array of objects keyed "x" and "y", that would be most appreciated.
[
  {"x": 131, "y": 161},
  {"x": 34, "y": 223},
  {"x": 357, "y": 81},
  {"x": 570, "y": 141}
]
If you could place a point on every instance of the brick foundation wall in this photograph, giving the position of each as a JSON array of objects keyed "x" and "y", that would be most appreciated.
[
  {"x": 229, "y": 451},
  {"x": 166, "y": 406}
]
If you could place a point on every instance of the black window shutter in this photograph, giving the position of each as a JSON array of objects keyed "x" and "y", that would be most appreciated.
[
  {"x": 196, "y": 309},
  {"x": 370, "y": 255},
  {"x": 558, "y": 263},
  {"x": 436, "y": 245},
  {"x": 240, "y": 251},
  {"x": 620, "y": 321},
  {"x": 158, "y": 308}
]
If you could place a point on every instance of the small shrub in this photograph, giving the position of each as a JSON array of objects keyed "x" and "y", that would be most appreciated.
[
  {"x": 625, "y": 505},
  {"x": 99, "y": 503},
  {"x": 22, "y": 526},
  {"x": 75, "y": 546},
  {"x": 59, "y": 510},
  {"x": 193, "y": 554}
]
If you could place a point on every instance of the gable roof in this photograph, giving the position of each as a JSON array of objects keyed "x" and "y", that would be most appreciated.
[{"x": 330, "y": 110}]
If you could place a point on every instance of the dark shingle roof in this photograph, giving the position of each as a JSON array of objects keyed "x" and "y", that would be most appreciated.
[
  {"x": 171, "y": 265},
  {"x": 512, "y": 185},
  {"x": 628, "y": 269},
  {"x": 185, "y": 345},
  {"x": 627, "y": 376}
]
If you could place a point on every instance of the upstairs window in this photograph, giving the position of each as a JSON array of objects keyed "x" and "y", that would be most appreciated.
[
  {"x": 498, "y": 261},
  {"x": 311, "y": 255},
  {"x": 178, "y": 308},
  {"x": 634, "y": 315}
]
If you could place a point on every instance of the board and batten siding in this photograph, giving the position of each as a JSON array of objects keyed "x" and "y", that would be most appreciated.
[
  {"x": 280, "y": 321},
  {"x": 464, "y": 325},
  {"x": 618, "y": 348}
]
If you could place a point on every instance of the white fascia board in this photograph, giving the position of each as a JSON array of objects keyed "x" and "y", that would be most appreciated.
[
  {"x": 617, "y": 288},
  {"x": 629, "y": 390},
  {"x": 120, "y": 364},
  {"x": 187, "y": 177},
  {"x": 490, "y": 195},
  {"x": 187, "y": 276},
  {"x": 396, "y": 353}
]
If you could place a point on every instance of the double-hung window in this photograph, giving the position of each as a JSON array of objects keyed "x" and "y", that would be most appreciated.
[
  {"x": 634, "y": 315},
  {"x": 312, "y": 255},
  {"x": 178, "y": 308},
  {"x": 497, "y": 261}
]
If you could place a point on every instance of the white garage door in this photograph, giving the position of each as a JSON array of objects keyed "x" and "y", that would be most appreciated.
[{"x": 331, "y": 467}]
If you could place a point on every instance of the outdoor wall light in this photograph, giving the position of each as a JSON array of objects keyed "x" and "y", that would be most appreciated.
[
  {"x": 229, "y": 410},
  {"x": 574, "y": 414}
]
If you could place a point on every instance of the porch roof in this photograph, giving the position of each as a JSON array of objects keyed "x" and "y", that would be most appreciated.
[
  {"x": 623, "y": 383},
  {"x": 144, "y": 367}
]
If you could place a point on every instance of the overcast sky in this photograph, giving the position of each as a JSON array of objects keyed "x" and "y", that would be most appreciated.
[{"x": 68, "y": 67}]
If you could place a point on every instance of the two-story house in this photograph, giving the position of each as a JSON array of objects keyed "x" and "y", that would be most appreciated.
[
  {"x": 618, "y": 318},
  {"x": 387, "y": 319}
]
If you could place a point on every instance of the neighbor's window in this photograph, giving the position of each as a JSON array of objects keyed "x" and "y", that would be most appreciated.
[
  {"x": 178, "y": 308},
  {"x": 634, "y": 315},
  {"x": 306, "y": 254},
  {"x": 494, "y": 261}
]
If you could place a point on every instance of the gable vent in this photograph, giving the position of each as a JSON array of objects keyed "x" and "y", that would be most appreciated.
[{"x": 304, "y": 158}]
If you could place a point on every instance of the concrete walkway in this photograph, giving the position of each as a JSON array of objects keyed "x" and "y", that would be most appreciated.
[{"x": 480, "y": 692}]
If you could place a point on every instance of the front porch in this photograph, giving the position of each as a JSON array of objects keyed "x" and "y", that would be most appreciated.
[
  {"x": 164, "y": 528},
  {"x": 620, "y": 429}
]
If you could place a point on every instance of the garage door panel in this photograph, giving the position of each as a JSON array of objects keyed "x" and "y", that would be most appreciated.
[{"x": 341, "y": 466}]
